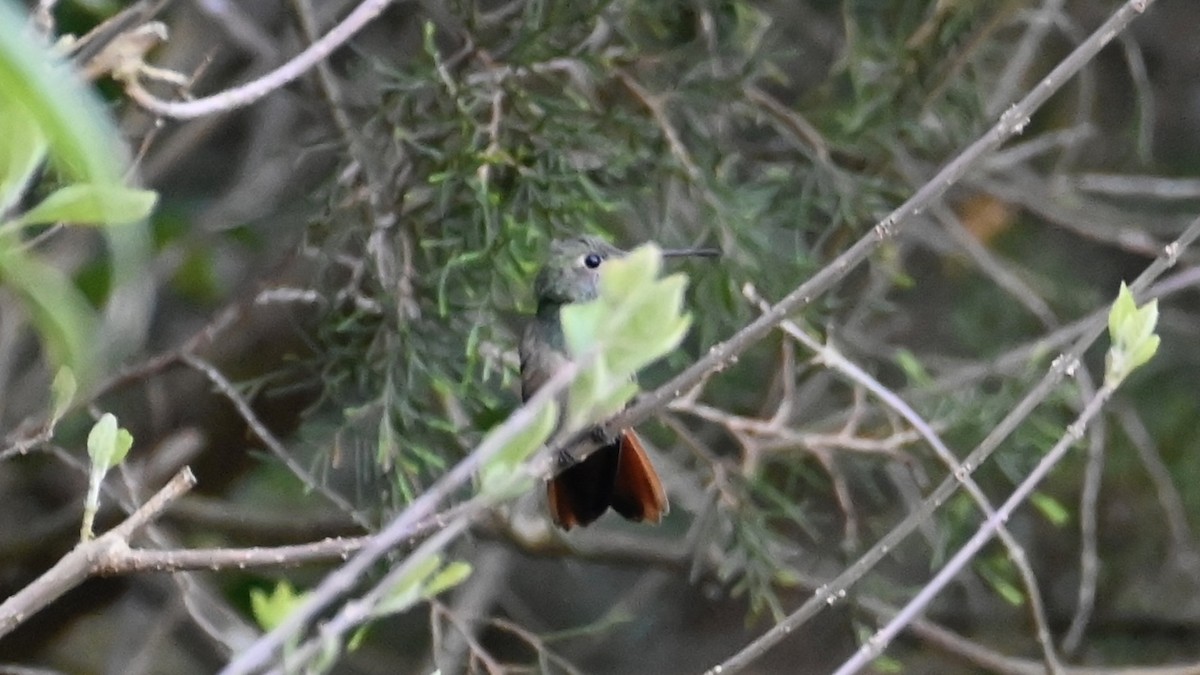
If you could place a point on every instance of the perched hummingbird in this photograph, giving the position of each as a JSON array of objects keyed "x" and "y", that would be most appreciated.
[{"x": 619, "y": 474}]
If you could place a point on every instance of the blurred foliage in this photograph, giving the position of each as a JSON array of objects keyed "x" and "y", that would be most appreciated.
[{"x": 53, "y": 132}]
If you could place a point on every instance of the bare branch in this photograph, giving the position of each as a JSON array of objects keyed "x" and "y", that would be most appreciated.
[
  {"x": 243, "y": 95},
  {"x": 85, "y": 559}
]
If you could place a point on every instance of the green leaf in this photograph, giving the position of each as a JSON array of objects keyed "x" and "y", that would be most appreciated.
[
  {"x": 1123, "y": 309},
  {"x": 500, "y": 476},
  {"x": 84, "y": 145},
  {"x": 450, "y": 576},
  {"x": 636, "y": 320},
  {"x": 271, "y": 610},
  {"x": 75, "y": 124},
  {"x": 424, "y": 580},
  {"x": 387, "y": 448},
  {"x": 1131, "y": 332},
  {"x": 107, "y": 443},
  {"x": 887, "y": 664},
  {"x": 21, "y": 152},
  {"x": 1144, "y": 352},
  {"x": 583, "y": 326},
  {"x": 63, "y": 389},
  {"x": 913, "y": 369},
  {"x": 998, "y": 580},
  {"x": 635, "y": 270},
  {"x": 598, "y": 396},
  {"x": 358, "y": 637},
  {"x": 1050, "y": 507},
  {"x": 407, "y": 590},
  {"x": 91, "y": 204},
  {"x": 64, "y": 319}
]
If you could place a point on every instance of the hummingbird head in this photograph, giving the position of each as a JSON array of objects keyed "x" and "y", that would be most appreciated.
[{"x": 572, "y": 270}]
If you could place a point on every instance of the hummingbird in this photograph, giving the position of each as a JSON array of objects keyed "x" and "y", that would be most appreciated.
[{"x": 618, "y": 474}]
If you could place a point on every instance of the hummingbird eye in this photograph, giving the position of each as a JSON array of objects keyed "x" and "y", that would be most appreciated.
[{"x": 592, "y": 260}]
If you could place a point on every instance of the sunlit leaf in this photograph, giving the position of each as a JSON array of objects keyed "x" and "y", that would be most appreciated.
[
  {"x": 407, "y": 590},
  {"x": 64, "y": 319},
  {"x": 63, "y": 389},
  {"x": 91, "y": 204},
  {"x": 1051, "y": 508},
  {"x": 76, "y": 126},
  {"x": 107, "y": 443},
  {"x": 1131, "y": 332},
  {"x": 500, "y": 475},
  {"x": 450, "y": 576},
  {"x": 22, "y": 151},
  {"x": 272, "y": 609}
]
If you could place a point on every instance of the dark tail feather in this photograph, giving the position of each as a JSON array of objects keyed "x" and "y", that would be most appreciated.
[
  {"x": 637, "y": 493},
  {"x": 618, "y": 475},
  {"x": 582, "y": 493}
]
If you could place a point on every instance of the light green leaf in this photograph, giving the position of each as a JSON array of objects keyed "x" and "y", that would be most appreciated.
[
  {"x": 623, "y": 275},
  {"x": 1131, "y": 332},
  {"x": 84, "y": 144},
  {"x": 1051, "y": 508},
  {"x": 613, "y": 401},
  {"x": 63, "y": 389},
  {"x": 1122, "y": 309},
  {"x": 407, "y": 590},
  {"x": 21, "y": 152},
  {"x": 388, "y": 448},
  {"x": 913, "y": 369},
  {"x": 583, "y": 325},
  {"x": 271, "y": 610},
  {"x": 82, "y": 138},
  {"x": 500, "y": 475},
  {"x": 636, "y": 320},
  {"x": 107, "y": 443},
  {"x": 64, "y": 319},
  {"x": 1001, "y": 584},
  {"x": 92, "y": 204},
  {"x": 1142, "y": 327},
  {"x": 450, "y": 576},
  {"x": 1144, "y": 352},
  {"x": 595, "y": 394}
]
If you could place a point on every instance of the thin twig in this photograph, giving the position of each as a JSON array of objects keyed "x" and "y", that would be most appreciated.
[
  {"x": 400, "y": 528},
  {"x": 654, "y": 103},
  {"x": 243, "y": 95},
  {"x": 1170, "y": 501},
  {"x": 227, "y": 389},
  {"x": 355, "y": 613},
  {"x": 961, "y": 472},
  {"x": 1089, "y": 503},
  {"x": 84, "y": 560},
  {"x": 875, "y": 645},
  {"x": 1022, "y": 55},
  {"x": 119, "y": 562},
  {"x": 1090, "y": 330},
  {"x": 1011, "y": 123}
]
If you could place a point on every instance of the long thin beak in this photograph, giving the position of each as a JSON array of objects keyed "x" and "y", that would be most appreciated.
[{"x": 691, "y": 253}]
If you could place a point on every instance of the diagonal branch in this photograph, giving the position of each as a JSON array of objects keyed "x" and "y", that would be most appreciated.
[
  {"x": 246, "y": 94},
  {"x": 1067, "y": 361},
  {"x": 84, "y": 560},
  {"x": 1011, "y": 123}
]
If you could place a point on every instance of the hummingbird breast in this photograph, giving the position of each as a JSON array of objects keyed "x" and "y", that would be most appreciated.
[{"x": 543, "y": 351}]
